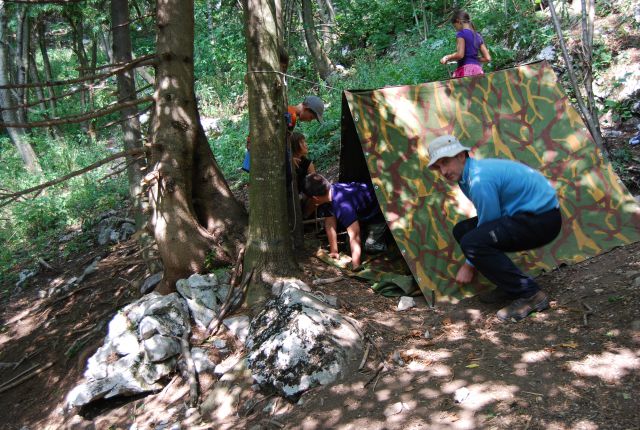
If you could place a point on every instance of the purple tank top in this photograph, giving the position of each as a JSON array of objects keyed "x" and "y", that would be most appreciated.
[{"x": 472, "y": 42}]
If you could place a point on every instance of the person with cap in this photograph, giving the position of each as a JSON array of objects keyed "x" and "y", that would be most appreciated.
[
  {"x": 354, "y": 207},
  {"x": 517, "y": 210},
  {"x": 312, "y": 107}
]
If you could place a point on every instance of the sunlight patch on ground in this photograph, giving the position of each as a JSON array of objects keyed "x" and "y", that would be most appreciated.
[
  {"x": 535, "y": 356},
  {"x": 456, "y": 331},
  {"x": 490, "y": 335},
  {"x": 519, "y": 336},
  {"x": 608, "y": 366}
]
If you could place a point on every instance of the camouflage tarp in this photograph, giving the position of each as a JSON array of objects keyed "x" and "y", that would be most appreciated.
[{"x": 520, "y": 114}]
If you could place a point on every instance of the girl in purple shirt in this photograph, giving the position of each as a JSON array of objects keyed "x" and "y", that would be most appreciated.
[{"x": 468, "y": 44}]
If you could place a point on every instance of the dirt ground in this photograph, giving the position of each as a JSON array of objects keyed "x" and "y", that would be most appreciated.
[{"x": 575, "y": 366}]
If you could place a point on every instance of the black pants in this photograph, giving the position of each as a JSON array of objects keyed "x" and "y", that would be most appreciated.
[{"x": 485, "y": 246}]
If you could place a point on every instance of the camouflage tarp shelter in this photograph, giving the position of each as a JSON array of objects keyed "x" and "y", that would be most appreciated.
[{"x": 519, "y": 113}]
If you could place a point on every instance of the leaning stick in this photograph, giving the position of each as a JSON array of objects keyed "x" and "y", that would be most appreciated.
[
  {"x": 325, "y": 281},
  {"x": 224, "y": 310},
  {"x": 375, "y": 375},
  {"x": 364, "y": 357},
  {"x": 17, "y": 382},
  {"x": 191, "y": 369},
  {"x": 130, "y": 152}
]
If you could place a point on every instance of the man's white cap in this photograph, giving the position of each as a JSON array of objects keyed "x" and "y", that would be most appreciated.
[{"x": 444, "y": 146}]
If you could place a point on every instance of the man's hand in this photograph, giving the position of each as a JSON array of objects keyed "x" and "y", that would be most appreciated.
[
  {"x": 334, "y": 255},
  {"x": 465, "y": 274}
]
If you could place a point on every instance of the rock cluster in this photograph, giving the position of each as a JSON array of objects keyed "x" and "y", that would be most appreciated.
[
  {"x": 298, "y": 341},
  {"x": 140, "y": 349}
]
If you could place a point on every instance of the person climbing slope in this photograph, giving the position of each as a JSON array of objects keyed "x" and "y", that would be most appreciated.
[{"x": 469, "y": 44}]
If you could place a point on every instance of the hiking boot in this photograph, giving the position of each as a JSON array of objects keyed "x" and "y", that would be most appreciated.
[
  {"x": 495, "y": 296},
  {"x": 520, "y": 308}
]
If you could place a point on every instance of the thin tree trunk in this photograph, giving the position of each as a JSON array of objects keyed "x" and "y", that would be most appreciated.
[
  {"x": 176, "y": 154},
  {"x": 7, "y": 102},
  {"x": 269, "y": 250},
  {"x": 48, "y": 74},
  {"x": 328, "y": 14},
  {"x": 319, "y": 57},
  {"x": 587, "y": 50},
  {"x": 592, "y": 123},
  {"x": 106, "y": 45},
  {"x": 22, "y": 60},
  {"x": 77, "y": 30},
  {"x": 92, "y": 92},
  {"x": 35, "y": 78},
  {"x": 126, "y": 92}
]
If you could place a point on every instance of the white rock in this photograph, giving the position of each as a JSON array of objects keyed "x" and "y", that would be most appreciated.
[
  {"x": 127, "y": 343},
  {"x": 159, "y": 348},
  {"x": 23, "y": 276},
  {"x": 150, "y": 283},
  {"x": 298, "y": 342},
  {"x": 548, "y": 53},
  {"x": 238, "y": 326},
  {"x": 227, "y": 364},
  {"x": 149, "y": 326},
  {"x": 152, "y": 373},
  {"x": 461, "y": 395},
  {"x": 406, "y": 303},
  {"x": 395, "y": 409},
  {"x": 201, "y": 360},
  {"x": 220, "y": 343}
]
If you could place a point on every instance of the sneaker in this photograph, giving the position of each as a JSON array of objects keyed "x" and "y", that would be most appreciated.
[
  {"x": 520, "y": 308},
  {"x": 495, "y": 296}
]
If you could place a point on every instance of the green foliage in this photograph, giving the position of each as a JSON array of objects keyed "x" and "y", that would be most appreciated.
[
  {"x": 620, "y": 110},
  {"x": 621, "y": 159},
  {"x": 602, "y": 57},
  {"x": 35, "y": 223}
]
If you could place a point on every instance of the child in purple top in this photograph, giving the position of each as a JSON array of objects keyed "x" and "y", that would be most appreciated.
[
  {"x": 354, "y": 207},
  {"x": 468, "y": 44}
]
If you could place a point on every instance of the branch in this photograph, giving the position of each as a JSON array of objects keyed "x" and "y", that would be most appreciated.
[
  {"x": 121, "y": 120},
  {"x": 138, "y": 62},
  {"x": 6, "y": 198},
  {"x": 58, "y": 97},
  {"x": 78, "y": 118}
]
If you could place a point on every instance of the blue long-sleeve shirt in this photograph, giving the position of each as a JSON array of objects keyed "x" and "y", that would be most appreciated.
[{"x": 500, "y": 188}]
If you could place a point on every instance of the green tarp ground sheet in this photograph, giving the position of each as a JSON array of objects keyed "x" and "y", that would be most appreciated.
[
  {"x": 386, "y": 273},
  {"x": 521, "y": 114}
]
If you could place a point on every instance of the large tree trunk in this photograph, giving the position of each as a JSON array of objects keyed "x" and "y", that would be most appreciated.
[
  {"x": 269, "y": 250},
  {"x": 194, "y": 216},
  {"x": 319, "y": 57},
  {"x": 7, "y": 103}
]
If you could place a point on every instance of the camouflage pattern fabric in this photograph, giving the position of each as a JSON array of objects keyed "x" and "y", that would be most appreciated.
[{"x": 519, "y": 114}]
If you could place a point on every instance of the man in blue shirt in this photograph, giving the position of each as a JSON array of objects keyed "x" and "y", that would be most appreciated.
[
  {"x": 517, "y": 210},
  {"x": 354, "y": 207}
]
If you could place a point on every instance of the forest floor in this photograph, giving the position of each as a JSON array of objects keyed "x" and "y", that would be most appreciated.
[{"x": 575, "y": 366}]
